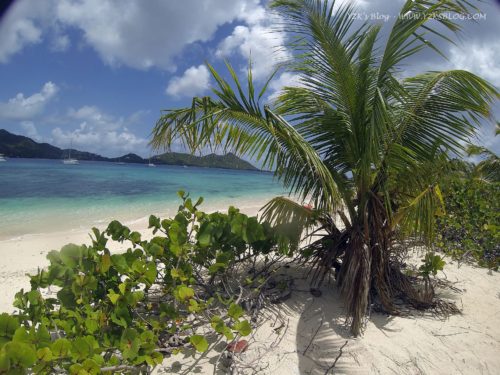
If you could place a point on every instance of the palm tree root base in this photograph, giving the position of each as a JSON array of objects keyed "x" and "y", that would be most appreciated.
[{"x": 372, "y": 281}]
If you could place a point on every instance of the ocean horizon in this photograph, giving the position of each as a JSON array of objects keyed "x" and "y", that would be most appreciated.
[{"x": 42, "y": 195}]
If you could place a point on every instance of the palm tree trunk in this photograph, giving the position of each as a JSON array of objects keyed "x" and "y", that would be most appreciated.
[{"x": 354, "y": 279}]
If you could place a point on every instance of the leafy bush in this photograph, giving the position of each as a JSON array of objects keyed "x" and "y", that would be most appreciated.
[
  {"x": 431, "y": 264},
  {"x": 471, "y": 225},
  {"x": 125, "y": 312}
]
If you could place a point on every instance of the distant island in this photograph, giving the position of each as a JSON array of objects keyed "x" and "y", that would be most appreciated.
[{"x": 18, "y": 146}]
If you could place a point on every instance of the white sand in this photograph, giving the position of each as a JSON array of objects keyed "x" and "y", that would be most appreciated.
[
  {"x": 463, "y": 344},
  {"x": 313, "y": 332}
]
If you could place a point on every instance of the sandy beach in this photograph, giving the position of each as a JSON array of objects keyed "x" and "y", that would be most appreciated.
[{"x": 306, "y": 334}]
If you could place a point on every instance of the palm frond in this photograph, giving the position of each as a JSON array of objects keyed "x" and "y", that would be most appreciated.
[
  {"x": 417, "y": 20},
  {"x": 283, "y": 210},
  {"x": 418, "y": 216},
  {"x": 488, "y": 169},
  {"x": 237, "y": 122}
]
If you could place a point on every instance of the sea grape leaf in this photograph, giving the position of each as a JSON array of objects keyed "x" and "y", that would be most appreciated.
[
  {"x": 154, "y": 222},
  {"x": 134, "y": 297},
  {"x": 205, "y": 238},
  {"x": 155, "y": 249},
  {"x": 120, "y": 262},
  {"x": 235, "y": 311},
  {"x": 113, "y": 297},
  {"x": 54, "y": 257},
  {"x": 105, "y": 263},
  {"x": 67, "y": 298},
  {"x": 19, "y": 353},
  {"x": 130, "y": 343},
  {"x": 157, "y": 358},
  {"x": 60, "y": 347},
  {"x": 199, "y": 201},
  {"x": 226, "y": 331},
  {"x": 150, "y": 273},
  {"x": 42, "y": 336},
  {"x": 185, "y": 292},
  {"x": 193, "y": 306},
  {"x": 70, "y": 255},
  {"x": 91, "y": 325},
  {"x": 21, "y": 335},
  {"x": 44, "y": 354},
  {"x": 220, "y": 327},
  {"x": 122, "y": 288},
  {"x": 199, "y": 342},
  {"x": 243, "y": 328},
  {"x": 8, "y": 325},
  {"x": 135, "y": 237},
  {"x": 189, "y": 204},
  {"x": 91, "y": 366},
  {"x": 177, "y": 273},
  {"x": 168, "y": 310},
  {"x": 177, "y": 233},
  {"x": 81, "y": 348},
  {"x": 216, "y": 267}
]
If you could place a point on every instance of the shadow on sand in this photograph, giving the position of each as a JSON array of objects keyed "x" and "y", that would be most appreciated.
[{"x": 323, "y": 341}]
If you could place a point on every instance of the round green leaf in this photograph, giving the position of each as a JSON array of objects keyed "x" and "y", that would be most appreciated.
[{"x": 199, "y": 342}]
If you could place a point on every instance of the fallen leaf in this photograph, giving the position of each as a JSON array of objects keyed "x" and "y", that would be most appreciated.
[{"x": 238, "y": 347}]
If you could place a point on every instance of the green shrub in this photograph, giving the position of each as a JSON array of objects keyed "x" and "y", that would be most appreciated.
[
  {"x": 431, "y": 264},
  {"x": 116, "y": 312},
  {"x": 471, "y": 225}
]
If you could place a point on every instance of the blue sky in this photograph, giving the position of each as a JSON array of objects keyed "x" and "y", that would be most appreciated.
[{"x": 98, "y": 72}]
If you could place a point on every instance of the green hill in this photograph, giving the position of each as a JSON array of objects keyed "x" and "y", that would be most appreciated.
[
  {"x": 18, "y": 146},
  {"x": 228, "y": 161}
]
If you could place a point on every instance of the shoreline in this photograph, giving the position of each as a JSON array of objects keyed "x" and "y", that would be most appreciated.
[{"x": 132, "y": 219}]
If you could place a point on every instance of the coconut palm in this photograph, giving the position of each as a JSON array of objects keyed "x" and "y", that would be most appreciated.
[
  {"x": 355, "y": 140},
  {"x": 488, "y": 168}
]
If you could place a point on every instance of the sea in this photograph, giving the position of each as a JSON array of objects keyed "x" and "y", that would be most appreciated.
[{"x": 38, "y": 195}]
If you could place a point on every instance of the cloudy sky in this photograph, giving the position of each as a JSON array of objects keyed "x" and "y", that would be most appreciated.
[{"x": 98, "y": 72}]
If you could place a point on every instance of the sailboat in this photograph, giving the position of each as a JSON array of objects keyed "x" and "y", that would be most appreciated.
[
  {"x": 69, "y": 160},
  {"x": 2, "y": 158},
  {"x": 150, "y": 164}
]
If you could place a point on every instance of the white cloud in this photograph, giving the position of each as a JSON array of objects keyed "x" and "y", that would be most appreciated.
[
  {"x": 286, "y": 79},
  {"x": 146, "y": 34},
  {"x": 60, "y": 43},
  {"x": 194, "y": 81},
  {"x": 100, "y": 133},
  {"x": 260, "y": 39},
  {"x": 479, "y": 58},
  {"x": 21, "y": 27},
  {"x": 359, "y": 4},
  {"x": 21, "y": 107},
  {"x": 96, "y": 118},
  {"x": 139, "y": 34},
  {"x": 30, "y": 130},
  {"x": 257, "y": 41}
]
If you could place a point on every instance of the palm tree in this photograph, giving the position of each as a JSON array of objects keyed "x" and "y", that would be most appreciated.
[
  {"x": 355, "y": 141},
  {"x": 488, "y": 168}
]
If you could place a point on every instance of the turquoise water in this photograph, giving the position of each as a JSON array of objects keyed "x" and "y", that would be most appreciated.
[{"x": 46, "y": 195}]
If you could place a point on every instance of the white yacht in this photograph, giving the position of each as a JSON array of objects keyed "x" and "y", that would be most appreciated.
[
  {"x": 2, "y": 158},
  {"x": 70, "y": 160}
]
